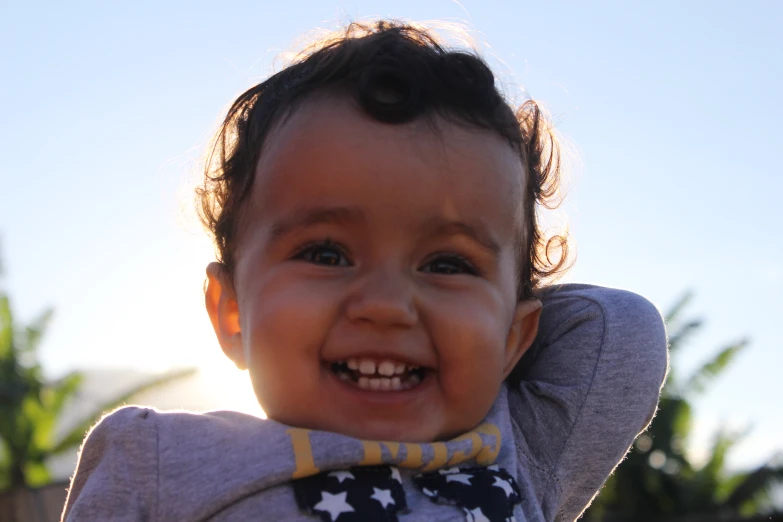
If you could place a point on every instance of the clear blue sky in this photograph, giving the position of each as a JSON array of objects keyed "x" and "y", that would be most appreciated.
[{"x": 105, "y": 109}]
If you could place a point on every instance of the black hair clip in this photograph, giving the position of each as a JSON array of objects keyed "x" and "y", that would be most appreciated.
[{"x": 389, "y": 94}]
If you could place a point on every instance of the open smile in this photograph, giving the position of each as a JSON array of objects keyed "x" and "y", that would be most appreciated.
[{"x": 378, "y": 375}]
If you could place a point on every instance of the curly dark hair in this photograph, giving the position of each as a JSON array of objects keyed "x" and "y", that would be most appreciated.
[{"x": 397, "y": 72}]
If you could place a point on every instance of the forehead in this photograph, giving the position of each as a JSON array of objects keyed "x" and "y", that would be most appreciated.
[{"x": 329, "y": 153}]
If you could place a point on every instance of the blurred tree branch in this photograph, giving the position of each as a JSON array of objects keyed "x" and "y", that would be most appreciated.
[{"x": 657, "y": 481}]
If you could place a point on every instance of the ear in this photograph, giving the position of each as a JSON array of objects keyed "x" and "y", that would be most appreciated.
[
  {"x": 522, "y": 333},
  {"x": 223, "y": 310}
]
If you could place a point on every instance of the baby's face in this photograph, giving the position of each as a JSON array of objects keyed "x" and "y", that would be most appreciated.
[{"x": 374, "y": 292}]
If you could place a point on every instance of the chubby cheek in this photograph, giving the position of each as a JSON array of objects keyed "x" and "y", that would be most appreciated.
[
  {"x": 470, "y": 341},
  {"x": 283, "y": 329}
]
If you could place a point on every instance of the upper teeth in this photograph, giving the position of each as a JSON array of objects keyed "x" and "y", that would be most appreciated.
[{"x": 385, "y": 367}]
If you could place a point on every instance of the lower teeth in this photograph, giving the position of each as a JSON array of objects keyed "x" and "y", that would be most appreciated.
[{"x": 381, "y": 383}]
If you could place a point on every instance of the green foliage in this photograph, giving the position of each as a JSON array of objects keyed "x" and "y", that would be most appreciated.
[
  {"x": 30, "y": 406},
  {"x": 657, "y": 481}
]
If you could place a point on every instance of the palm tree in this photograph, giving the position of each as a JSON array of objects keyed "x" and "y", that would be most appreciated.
[
  {"x": 30, "y": 406},
  {"x": 657, "y": 481}
]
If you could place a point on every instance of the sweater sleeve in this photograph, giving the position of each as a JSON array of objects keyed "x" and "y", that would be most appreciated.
[
  {"x": 117, "y": 473},
  {"x": 589, "y": 385}
]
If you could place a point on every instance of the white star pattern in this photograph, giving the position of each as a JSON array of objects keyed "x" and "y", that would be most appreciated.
[
  {"x": 341, "y": 475},
  {"x": 428, "y": 492},
  {"x": 395, "y": 475},
  {"x": 504, "y": 485},
  {"x": 494, "y": 467},
  {"x": 458, "y": 477},
  {"x": 476, "y": 515},
  {"x": 333, "y": 504},
  {"x": 383, "y": 496},
  {"x": 448, "y": 471}
]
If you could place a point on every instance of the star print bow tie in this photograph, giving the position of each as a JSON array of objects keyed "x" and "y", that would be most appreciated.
[
  {"x": 376, "y": 493},
  {"x": 357, "y": 495},
  {"x": 484, "y": 494}
]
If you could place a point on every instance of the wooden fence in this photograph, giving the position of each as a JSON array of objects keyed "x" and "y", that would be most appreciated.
[{"x": 43, "y": 504}]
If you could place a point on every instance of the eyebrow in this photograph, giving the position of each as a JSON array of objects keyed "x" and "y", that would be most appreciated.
[
  {"x": 477, "y": 232},
  {"x": 437, "y": 226},
  {"x": 308, "y": 217}
]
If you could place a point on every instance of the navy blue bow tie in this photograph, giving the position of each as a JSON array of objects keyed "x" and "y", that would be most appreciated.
[{"x": 362, "y": 494}]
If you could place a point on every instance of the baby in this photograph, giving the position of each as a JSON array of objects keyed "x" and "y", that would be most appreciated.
[{"x": 380, "y": 276}]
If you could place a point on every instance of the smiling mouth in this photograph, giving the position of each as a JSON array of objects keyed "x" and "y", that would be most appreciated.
[{"x": 385, "y": 375}]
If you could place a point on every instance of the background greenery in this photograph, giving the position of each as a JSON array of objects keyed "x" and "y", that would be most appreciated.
[
  {"x": 657, "y": 480},
  {"x": 31, "y": 405}
]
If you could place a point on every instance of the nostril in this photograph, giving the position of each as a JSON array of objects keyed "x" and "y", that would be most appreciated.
[
  {"x": 383, "y": 296},
  {"x": 383, "y": 312}
]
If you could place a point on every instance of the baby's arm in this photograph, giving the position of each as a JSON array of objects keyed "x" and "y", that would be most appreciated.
[
  {"x": 589, "y": 385},
  {"x": 117, "y": 473}
]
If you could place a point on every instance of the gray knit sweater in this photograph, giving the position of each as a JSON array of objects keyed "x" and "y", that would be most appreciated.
[{"x": 590, "y": 385}]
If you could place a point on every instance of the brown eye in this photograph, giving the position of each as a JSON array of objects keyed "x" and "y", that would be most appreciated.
[
  {"x": 326, "y": 254},
  {"x": 449, "y": 265}
]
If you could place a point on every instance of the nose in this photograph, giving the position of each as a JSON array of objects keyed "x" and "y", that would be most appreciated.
[{"x": 383, "y": 297}]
